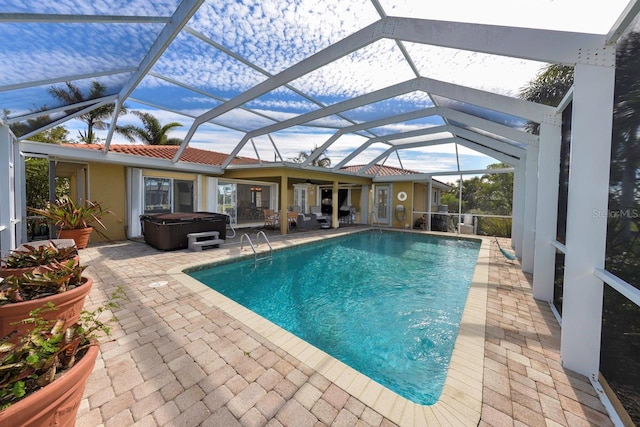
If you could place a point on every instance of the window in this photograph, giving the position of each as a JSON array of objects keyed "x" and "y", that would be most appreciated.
[
  {"x": 244, "y": 202},
  {"x": 166, "y": 195}
]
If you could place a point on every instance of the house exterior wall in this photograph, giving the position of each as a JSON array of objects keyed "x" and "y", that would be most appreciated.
[
  {"x": 107, "y": 185},
  {"x": 408, "y": 204}
]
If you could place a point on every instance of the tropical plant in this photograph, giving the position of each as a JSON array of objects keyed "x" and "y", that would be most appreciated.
[
  {"x": 43, "y": 281},
  {"x": 95, "y": 119},
  {"x": 32, "y": 363},
  {"x": 68, "y": 215},
  {"x": 549, "y": 86},
  {"x": 321, "y": 161},
  {"x": 34, "y": 256},
  {"x": 152, "y": 132}
]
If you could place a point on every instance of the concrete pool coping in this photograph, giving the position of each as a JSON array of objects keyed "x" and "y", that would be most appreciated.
[{"x": 461, "y": 399}]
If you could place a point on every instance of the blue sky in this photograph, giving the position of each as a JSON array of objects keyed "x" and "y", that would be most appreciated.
[{"x": 271, "y": 36}]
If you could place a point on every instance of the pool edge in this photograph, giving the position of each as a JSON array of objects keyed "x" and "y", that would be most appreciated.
[{"x": 461, "y": 400}]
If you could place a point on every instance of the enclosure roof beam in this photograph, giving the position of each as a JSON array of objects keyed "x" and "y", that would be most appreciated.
[
  {"x": 358, "y": 101},
  {"x": 560, "y": 47},
  {"x": 179, "y": 19},
  {"x": 54, "y": 80},
  {"x": 37, "y": 114},
  {"x": 402, "y": 147},
  {"x": 513, "y": 134},
  {"x": 494, "y": 144},
  {"x": 427, "y": 176},
  {"x": 413, "y": 115},
  {"x": 498, "y": 155},
  {"x": 68, "y": 19}
]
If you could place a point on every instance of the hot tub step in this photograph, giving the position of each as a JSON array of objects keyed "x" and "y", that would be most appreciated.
[{"x": 209, "y": 238}]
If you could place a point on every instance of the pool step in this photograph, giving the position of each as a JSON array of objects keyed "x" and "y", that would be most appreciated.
[{"x": 211, "y": 238}]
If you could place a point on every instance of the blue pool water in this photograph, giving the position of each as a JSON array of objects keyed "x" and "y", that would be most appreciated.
[{"x": 388, "y": 305}]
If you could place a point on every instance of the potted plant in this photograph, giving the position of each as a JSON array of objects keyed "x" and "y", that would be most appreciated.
[
  {"x": 60, "y": 283},
  {"x": 74, "y": 220},
  {"x": 45, "y": 371},
  {"x": 28, "y": 257}
]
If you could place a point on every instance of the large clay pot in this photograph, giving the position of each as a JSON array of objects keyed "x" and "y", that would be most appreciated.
[
  {"x": 68, "y": 305},
  {"x": 55, "y": 404},
  {"x": 80, "y": 236}
]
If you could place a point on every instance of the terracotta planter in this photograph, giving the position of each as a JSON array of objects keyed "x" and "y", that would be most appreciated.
[
  {"x": 6, "y": 272},
  {"x": 80, "y": 236},
  {"x": 68, "y": 306},
  {"x": 55, "y": 404}
]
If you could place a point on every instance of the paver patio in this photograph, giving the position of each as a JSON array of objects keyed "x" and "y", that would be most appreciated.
[{"x": 177, "y": 360}]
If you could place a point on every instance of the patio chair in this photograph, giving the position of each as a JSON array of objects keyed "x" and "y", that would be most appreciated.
[
  {"x": 292, "y": 218},
  {"x": 270, "y": 218}
]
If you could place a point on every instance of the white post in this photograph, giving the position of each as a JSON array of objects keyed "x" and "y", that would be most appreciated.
[
  {"x": 364, "y": 204},
  {"x": 212, "y": 195},
  {"x": 547, "y": 207},
  {"x": 20, "y": 195},
  {"x": 518, "y": 208},
  {"x": 7, "y": 188},
  {"x": 429, "y": 203},
  {"x": 135, "y": 200},
  {"x": 587, "y": 211},
  {"x": 530, "y": 196}
]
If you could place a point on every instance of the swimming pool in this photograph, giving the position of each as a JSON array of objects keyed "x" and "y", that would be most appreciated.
[{"x": 379, "y": 303}]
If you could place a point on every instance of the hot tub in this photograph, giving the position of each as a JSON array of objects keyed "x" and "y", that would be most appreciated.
[{"x": 168, "y": 231}]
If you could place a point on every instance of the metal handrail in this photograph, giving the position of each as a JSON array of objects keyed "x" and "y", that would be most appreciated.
[
  {"x": 250, "y": 243},
  {"x": 253, "y": 248},
  {"x": 266, "y": 239},
  {"x": 231, "y": 226},
  {"x": 373, "y": 214}
]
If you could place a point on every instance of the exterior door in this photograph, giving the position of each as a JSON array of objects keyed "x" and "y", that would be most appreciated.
[{"x": 382, "y": 207}]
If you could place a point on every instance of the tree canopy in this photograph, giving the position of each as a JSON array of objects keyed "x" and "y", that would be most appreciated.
[
  {"x": 152, "y": 132},
  {"x": 97, "y": 118},
  {"x": 321, "y": 161}
]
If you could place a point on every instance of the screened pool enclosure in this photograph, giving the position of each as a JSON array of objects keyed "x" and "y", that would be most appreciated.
[{"x": 428, "y": 88}]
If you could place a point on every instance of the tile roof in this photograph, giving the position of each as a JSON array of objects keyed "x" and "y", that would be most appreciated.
[
  {"x": 381, "y": 170},
  {"x": 190, "y": 154}
]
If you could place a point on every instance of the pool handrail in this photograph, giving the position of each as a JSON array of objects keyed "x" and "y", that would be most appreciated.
[
  {"x": 373, "y": 215},
  {"x": 253, "y": 248}
]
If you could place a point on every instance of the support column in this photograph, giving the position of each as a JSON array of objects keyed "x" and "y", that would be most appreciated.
[
  {"x": 7, "y": 188},
  {"x": 531, "y": 194},
  {"x": 20, "y": 194},
  {"x": 284, "y": 204},
  {"x": 518, "y": 207},
  {"x": 546, "y": 209},
  {"x": 429, "y": 203},
  {"x": 334, "y": 203},
  {"x": 587, "y": 212},
  {"x": 364, "y": 204}
]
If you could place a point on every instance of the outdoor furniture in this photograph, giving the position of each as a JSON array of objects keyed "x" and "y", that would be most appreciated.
[
  {"x": 292, "y": 218},
  {"x": 314, "y": 219},
  {"x": 270, "y": 218}
]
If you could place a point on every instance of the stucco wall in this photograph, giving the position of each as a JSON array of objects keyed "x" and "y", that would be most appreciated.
[
  {"x": 407, "y": 187},
  {"x": 107, "y": 185}
]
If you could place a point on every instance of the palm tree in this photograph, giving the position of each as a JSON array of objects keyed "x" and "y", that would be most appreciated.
[
  {"x": 153, "y": 133},
  {"x": 548, "y": 87},
  {"x": 96, "y": 118},
  {"x": 321, "y": 161}
]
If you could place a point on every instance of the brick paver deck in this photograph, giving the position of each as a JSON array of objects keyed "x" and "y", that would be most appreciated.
[{"x": 177, "y": 360}]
